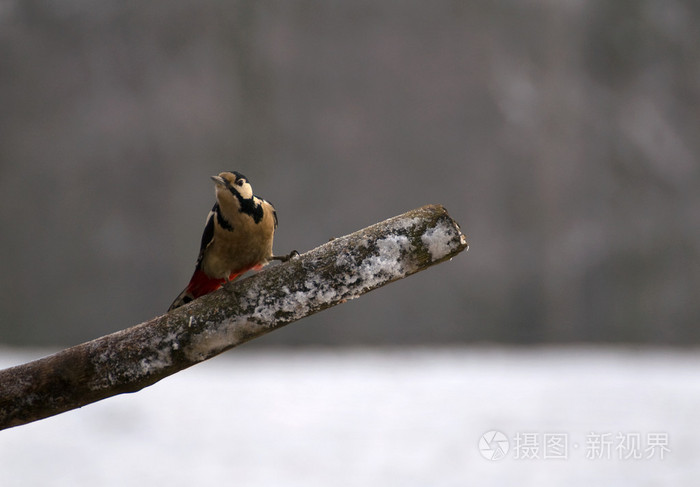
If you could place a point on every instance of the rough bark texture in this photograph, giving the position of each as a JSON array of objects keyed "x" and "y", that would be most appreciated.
[{"x": 131, "y": 359}]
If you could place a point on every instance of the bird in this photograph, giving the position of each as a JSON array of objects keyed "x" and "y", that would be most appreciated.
[{"x": 237, "y": 237}]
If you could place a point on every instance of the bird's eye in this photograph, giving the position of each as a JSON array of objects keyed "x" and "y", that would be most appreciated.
[{"x": 239, "y": 182}]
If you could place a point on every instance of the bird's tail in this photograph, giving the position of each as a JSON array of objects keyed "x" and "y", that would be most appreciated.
[{"x": 199, "y": 285}]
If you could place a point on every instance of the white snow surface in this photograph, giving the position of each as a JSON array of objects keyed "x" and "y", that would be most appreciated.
[{"x": 378, "y": 417}]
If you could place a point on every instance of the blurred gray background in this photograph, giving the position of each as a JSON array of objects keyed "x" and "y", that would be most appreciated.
[{"x": 562, "y": 135}]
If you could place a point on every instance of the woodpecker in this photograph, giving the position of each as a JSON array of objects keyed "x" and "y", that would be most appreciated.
[{"x": 237, "y": 237}]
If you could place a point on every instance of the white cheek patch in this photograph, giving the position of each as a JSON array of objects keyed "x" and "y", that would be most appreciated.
[{"x": 246, "y": 191}]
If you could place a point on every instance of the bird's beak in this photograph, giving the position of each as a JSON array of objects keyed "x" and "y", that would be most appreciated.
[{"x": 219, "y": 180}]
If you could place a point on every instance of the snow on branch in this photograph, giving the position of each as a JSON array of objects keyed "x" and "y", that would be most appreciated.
[{"x": 134, "y": 358}]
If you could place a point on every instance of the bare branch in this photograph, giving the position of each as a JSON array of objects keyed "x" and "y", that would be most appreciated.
[{"x": 132, "y": 359}]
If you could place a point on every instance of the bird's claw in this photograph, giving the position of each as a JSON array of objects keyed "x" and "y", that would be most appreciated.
[{"x": 284, "y": 258}]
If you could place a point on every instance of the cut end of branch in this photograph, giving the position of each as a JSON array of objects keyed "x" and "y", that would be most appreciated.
[{"x": 445, "y": 239}]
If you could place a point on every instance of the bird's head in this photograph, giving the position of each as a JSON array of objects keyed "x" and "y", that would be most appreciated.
[{"x": 232, "y": 184}]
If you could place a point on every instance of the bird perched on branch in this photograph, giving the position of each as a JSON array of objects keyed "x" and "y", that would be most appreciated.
[{"x": 237, "y": 237}]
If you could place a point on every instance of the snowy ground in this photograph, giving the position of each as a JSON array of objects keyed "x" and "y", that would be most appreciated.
[{"x": 381, "y": 418}]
